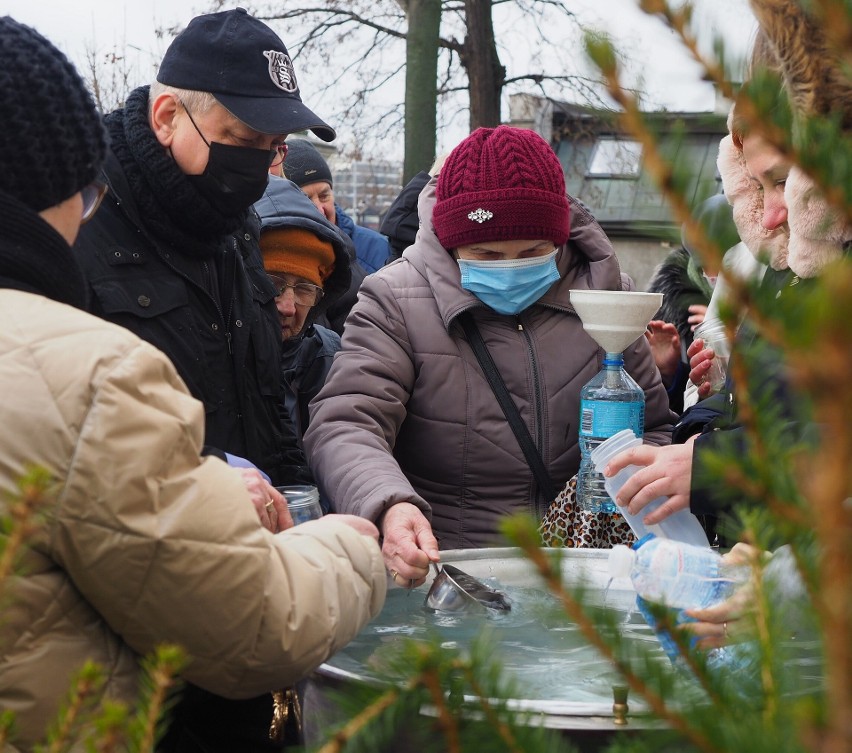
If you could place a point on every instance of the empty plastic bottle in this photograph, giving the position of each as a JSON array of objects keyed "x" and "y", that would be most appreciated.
[
  {"x": 609, "y": 402},
  {"x": 681, "y": 526},
  {"x": 677, "y": 575}
]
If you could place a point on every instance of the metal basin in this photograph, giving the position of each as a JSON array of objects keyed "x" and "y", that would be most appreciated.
[{"x": 567, "y": 702}]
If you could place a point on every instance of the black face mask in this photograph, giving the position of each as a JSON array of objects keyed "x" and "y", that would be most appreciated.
[{"x": 235, "y": 177}]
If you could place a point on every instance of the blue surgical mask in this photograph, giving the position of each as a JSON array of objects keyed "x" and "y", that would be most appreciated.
[{"x": 509, "y": 286}]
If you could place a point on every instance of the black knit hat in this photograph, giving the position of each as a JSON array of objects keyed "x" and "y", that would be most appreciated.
[
  {"x": 53, "y": 140},
  {"x": 304, "y": 164}
]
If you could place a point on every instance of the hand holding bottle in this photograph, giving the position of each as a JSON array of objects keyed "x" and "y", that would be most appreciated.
[
  {"x": 700, "y": 363},
  {"x": 664, "y": 472},
  {"x": 682, "y": 577},
  {"x": 719, "y": 625}
]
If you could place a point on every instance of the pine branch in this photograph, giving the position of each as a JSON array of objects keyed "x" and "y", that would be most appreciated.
[
  {"x": 158, "y": 677},
  {"x": 22, "y": 519},
  {"x": 73, "y": 716},
  {"x": 828, "y": 490},
  {"x": 525, "y": 535},
  {"x": 7, "y": 721},
  {"x": 110, "y": 729},
  {"x": 756, "y": 118},
  {"x": 431, "y": 680},
  {"x": 502, "y": 728},
  {"x": 660, "y": 169},
  {"x": 735, "y": 478},
  {"x": 342, "y": 737}
]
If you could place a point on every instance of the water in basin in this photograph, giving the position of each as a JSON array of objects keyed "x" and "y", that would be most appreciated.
[
  {"x": 538, "y": 645},
  {"x": 556, "y": 669}
]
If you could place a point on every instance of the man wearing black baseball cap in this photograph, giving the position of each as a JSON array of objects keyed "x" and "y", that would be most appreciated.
[
  {"x": 246, "y": 67},
  {"x": 173, "y": 256}
]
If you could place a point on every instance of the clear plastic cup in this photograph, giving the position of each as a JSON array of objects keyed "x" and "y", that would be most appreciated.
[
  {"x": 714, "y": 336},
  {"x": 303, "y": 502}
]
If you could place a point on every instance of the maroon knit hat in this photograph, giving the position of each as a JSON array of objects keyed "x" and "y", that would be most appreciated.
[{"x": 501, "y": 184}]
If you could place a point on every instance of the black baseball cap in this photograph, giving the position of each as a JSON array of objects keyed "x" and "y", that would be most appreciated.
[{"x": 245, "y": 66}]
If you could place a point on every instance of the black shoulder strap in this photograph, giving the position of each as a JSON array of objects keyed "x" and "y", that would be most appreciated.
[{"x": 510, "y": 410}]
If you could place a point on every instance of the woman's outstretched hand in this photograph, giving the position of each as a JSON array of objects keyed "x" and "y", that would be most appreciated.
[{"x": 409, "y": 545}]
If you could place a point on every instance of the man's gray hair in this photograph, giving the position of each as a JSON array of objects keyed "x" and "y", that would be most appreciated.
[{"x": 196, "y": 102}]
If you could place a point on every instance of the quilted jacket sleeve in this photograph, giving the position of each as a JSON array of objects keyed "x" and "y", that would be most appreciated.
[
  {"x": 357, "y": 415},
  {"x": 167, "y": 547}
]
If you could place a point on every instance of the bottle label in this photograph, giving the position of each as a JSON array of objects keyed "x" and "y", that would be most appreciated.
[
  {"x": 679, "y": 575},
  {"x": 603, "y": 418}
]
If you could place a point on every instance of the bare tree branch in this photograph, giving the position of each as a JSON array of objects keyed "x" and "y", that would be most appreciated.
[{"x": 357, "y": 45}]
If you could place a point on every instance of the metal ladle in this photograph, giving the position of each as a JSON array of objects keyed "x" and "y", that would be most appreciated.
[{"x": 455, "y": 591}]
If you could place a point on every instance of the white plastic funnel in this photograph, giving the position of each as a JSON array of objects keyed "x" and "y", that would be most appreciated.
[{"x": 615, "y": 318}]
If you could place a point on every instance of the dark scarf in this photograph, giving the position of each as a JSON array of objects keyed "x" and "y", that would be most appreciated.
[
  {"x": 35, "y": 258},
  {"x": 171, "y": 209}
]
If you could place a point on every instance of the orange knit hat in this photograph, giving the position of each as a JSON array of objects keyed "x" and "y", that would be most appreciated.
[{"x": 299, "y": 252}]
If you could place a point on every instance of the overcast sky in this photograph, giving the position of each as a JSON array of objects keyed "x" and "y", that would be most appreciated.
[{"x": 668, "y": 76}]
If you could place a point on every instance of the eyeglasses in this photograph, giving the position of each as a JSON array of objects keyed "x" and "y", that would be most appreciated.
[
  {"x": 304, "y": 294},
  {"x": 279, "y": 154},
  {"x": 92, "y": 195}
]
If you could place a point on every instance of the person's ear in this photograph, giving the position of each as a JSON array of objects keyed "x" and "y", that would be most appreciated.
[{"x": 164, "y": 116}]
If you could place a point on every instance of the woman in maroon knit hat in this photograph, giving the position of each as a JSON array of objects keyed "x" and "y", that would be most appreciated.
[{"x": 407, "y": 431}]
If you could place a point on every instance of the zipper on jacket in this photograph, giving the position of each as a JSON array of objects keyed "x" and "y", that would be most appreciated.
[
  {"x": 219, "y": 311},
  {"x": 226, "y": 321},
  {"x": 537, "y": 401}
]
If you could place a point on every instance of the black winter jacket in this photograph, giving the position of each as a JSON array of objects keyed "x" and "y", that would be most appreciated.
[
  {"x": 214, "y": 317},
  {"x": 402, "y": 221},
  {"x": 306, "y": 359},
  {"x": 715, "y": 419}
]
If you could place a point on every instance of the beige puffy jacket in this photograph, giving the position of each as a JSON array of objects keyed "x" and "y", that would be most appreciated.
[{"x": 144, "y": 542}]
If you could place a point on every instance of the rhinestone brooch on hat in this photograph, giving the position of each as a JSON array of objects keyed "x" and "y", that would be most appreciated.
[{"x": 480, "y": 215}]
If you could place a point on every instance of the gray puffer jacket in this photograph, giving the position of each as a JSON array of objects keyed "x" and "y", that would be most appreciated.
[{"x": 407, "y": 414}]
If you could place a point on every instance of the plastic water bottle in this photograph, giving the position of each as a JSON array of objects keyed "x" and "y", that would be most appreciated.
[
  {"x": 681, "y": 526},
  {"x": 676, "y": 575},
  {"x": 609, "y": 402}
]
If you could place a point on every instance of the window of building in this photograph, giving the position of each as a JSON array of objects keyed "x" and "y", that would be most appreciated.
[{"x": 616, "y": 158}]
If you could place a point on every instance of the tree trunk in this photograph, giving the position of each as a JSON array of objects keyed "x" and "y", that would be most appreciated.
[
  {"x": 484, "y": 70},
  {"x": 421, "y": 85}
]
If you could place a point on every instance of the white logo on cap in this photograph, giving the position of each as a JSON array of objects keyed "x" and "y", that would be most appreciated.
[
  {"x": 480, "y": 215},
  {"x": 281, "y": 70}
]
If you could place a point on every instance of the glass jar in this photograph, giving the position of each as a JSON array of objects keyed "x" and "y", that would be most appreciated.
[{"x": 303, "y": 502}]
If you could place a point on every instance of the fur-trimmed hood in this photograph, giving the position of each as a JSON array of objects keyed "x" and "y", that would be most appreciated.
[
  {"x": 815, "y": 235},
  {"x": 745, "y": 197},
  {"x": 817, "y": 85}
]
